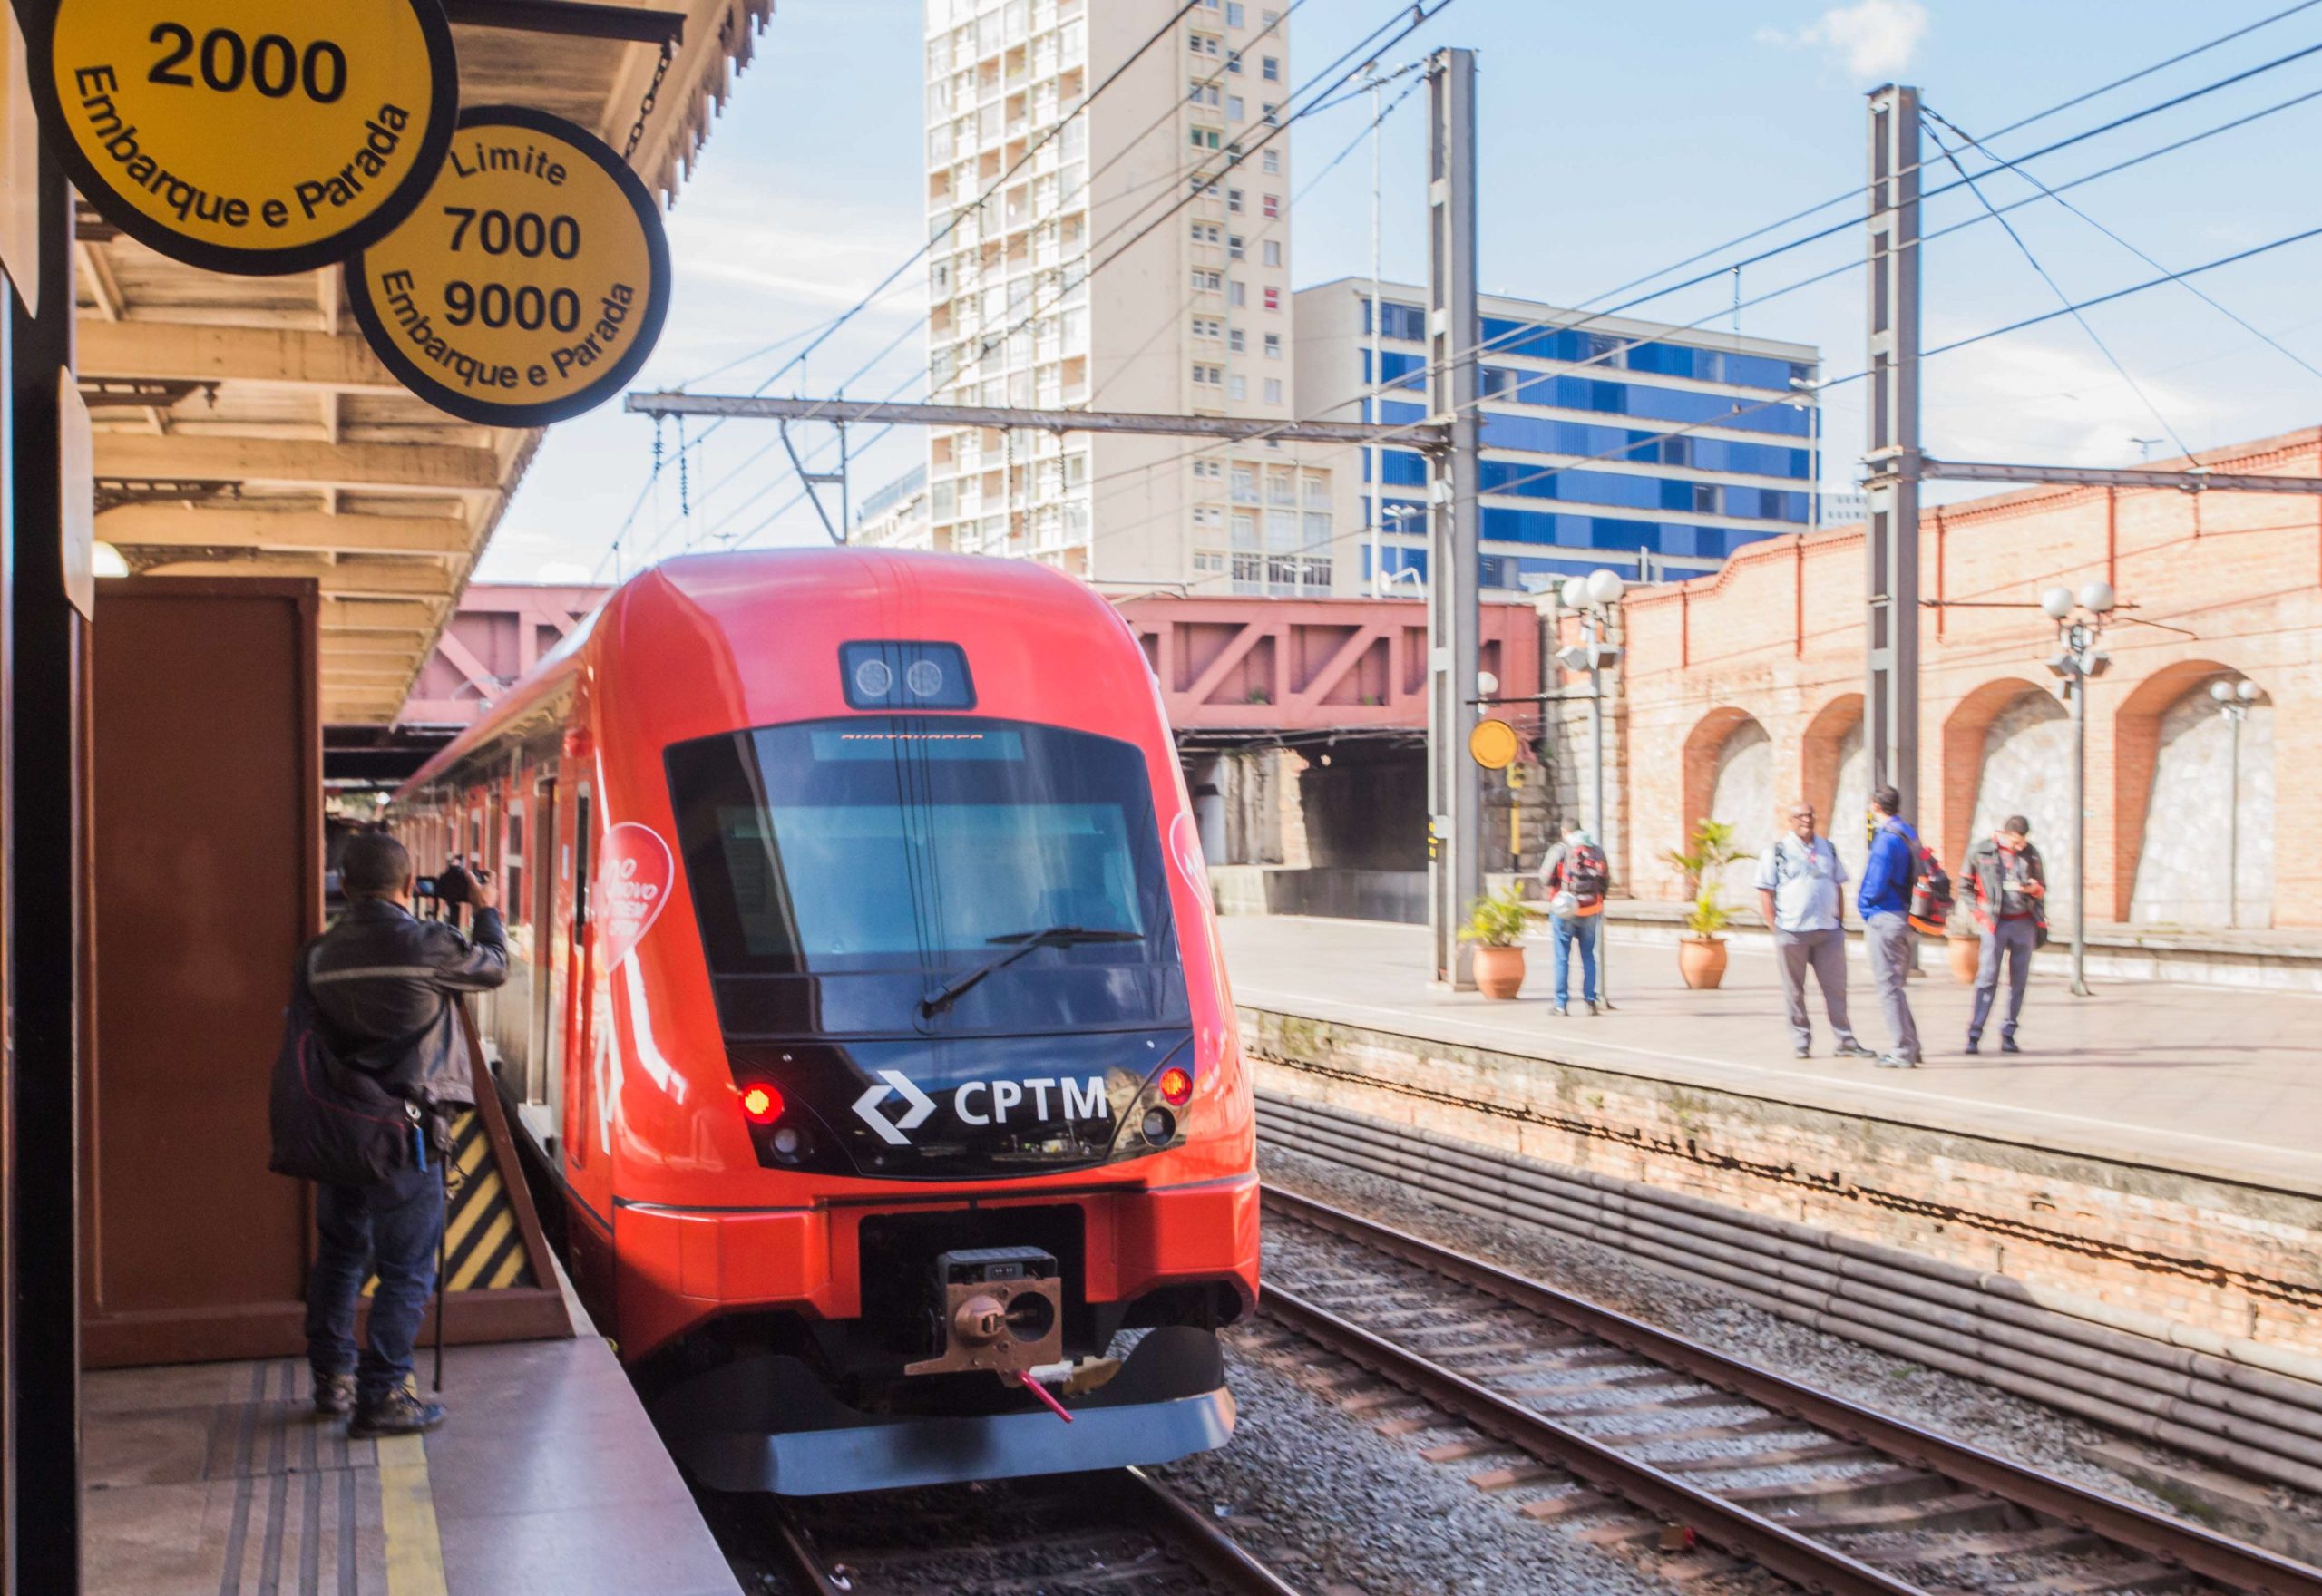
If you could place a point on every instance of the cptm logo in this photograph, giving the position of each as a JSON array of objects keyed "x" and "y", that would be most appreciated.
[{"x": 981, "y": 1102}]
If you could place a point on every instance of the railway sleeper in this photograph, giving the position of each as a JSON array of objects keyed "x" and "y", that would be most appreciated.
[
  {"x": 1968, "y": 1510},
  {"x": 1866, "y": 1490}
]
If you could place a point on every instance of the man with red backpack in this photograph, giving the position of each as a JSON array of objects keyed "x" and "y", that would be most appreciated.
[{"x": 1576, "y": 876}]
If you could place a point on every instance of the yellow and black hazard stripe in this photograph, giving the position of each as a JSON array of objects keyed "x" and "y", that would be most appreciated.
[{"x": 483, "y": 1245}]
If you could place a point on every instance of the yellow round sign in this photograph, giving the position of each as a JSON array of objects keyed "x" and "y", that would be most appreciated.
[
  {"x": 1493, "y": 744},
  {"x": 250, "y": 136},
  {"x": 530, "y": 283}
]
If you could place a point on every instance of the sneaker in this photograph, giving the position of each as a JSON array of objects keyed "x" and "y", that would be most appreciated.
[
  {"x": 2007, "y": 1045},
  {"x": 398, "y": 1412},
  {"x": 1804, "y": 1052},
  {"x": 334, "y": 1393},
  {"x": 1851, "y": 1048},
  {"x": 1886, "y": 1061},
  {"x": 1975, "y": 1045},
  {"x": 1558, "y": 1010}
]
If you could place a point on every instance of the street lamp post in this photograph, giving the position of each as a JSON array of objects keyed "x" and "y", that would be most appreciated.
[
  {"x": 1593, "y": 596},
  {"x": 2080, "y": 622},
  {"x": 2233, "y": 700}
]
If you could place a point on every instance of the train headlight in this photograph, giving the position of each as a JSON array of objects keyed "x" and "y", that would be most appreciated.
[
  {"x": 761, "y": 1103},
  {"x": 1160, "y": 1125},
  {"x": 1176, "y": 1087}
]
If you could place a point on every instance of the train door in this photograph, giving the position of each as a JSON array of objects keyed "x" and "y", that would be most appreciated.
[{"x": 541, "y": 1053}]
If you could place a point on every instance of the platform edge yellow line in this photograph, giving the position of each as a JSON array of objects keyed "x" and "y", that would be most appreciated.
[{"x": 407, "y": 1514}]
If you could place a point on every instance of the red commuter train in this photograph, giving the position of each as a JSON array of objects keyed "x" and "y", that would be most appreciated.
[{"x": 867, "y": 1013}]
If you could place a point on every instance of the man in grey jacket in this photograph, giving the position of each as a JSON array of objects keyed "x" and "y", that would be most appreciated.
[
  {"x": 1799, "y": 883},
  {"x": 385, "y": 984}
]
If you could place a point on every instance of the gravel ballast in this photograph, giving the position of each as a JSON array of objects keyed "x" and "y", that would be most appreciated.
[{"x": 2010, "y": 1426}]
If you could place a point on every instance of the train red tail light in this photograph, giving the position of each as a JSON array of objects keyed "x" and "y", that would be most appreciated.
[
  {"x": 1176, "y": 1087},
  {"x": 761, "y": 1103}
]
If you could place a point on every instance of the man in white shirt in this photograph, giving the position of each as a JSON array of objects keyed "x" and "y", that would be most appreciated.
[{"x": 1798, "y": 891}]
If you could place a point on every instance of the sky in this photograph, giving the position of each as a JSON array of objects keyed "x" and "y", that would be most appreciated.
[{"x": 1615, "y": 140}]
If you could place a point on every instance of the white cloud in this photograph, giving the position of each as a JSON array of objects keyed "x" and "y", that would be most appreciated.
[
  {"x": 2044, "y": 400},
  {"x": 1874, "y": 38}
]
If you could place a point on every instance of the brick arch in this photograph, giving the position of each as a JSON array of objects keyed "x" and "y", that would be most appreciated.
[
  {"x": 1818, "y": 756},
  {"x": 1964, "y": 730},
  {"x": 2136, "y": 748},
  {"x": 1703, "y": 745}
]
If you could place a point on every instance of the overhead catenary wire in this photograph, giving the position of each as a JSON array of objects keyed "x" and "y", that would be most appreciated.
[
  {"x": 2057, "y": 288},
  {"x": 2002, "y": 162},
  {"x": 1855, "y": 192}
]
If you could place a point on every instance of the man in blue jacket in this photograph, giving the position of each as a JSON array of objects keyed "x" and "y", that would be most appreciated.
[{"x": 1885, "y": 903}]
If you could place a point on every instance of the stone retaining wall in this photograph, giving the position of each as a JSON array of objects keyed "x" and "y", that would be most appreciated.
[{"x": 2085, "y": 1235}]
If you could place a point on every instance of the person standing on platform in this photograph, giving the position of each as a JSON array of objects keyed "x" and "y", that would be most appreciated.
[
  {"x": 1799, "y": 883},
  {"x": 385, "y": 985},
  {"x": 1884, "y": 902},
  {"x": 2008, "y": 888},
  {"x": 1575, "y": 876}
]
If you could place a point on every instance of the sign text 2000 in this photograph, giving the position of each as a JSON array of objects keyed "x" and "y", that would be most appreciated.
[{"x": 273, "y": 66}]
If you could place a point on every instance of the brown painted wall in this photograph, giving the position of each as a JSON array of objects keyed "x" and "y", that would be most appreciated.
[{"x": 208, "y": 843}]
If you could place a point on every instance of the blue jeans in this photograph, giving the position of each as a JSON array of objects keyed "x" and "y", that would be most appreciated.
[
  {"x": 1582, "y": 930},
  {"x": 391, "y": 1229}
]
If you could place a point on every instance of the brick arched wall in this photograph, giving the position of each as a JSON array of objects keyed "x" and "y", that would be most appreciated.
[
  {"x": 1703, "y": 745},
  {"x": 2136, "y": 740},
  {"x": 1819, "y": 748},
  {"x": 1964, "y": 730}
]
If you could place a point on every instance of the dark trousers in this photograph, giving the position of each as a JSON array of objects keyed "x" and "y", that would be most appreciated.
[
  {"x": 390, "y": 1229},
  {"x": 2013, "y": 939}
]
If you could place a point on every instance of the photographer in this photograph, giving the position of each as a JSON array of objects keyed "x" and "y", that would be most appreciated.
[{"x": 385, "y": 985}]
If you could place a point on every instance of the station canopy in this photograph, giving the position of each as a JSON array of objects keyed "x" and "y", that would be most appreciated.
[{"x": 245, "y": 429}]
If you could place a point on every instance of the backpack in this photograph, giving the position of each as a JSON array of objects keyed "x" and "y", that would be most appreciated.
[
  {"x": 1586, "y": 873},
  {"x": 332, "y": 1120},
  {"x": 1931, "y": 893}
]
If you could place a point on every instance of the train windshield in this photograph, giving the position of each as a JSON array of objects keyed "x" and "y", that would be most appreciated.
[{"x": 849, "y": 875}]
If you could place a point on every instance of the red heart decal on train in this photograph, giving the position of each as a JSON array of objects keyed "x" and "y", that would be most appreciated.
[{"x": 633, "y": 876}]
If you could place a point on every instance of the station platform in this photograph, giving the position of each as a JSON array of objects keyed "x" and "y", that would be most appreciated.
[
  {"x": 2224, "y": 1084},
  {"x": 548, "y": 1480}
]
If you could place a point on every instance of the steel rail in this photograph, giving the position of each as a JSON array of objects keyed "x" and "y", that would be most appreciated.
[
  {"x": 1746, "y": 1534},
  {"x": 1209, "y": 1548},
  {"x": 2188, "y": 1546},
  {"x": 1157, "y": 1509}
]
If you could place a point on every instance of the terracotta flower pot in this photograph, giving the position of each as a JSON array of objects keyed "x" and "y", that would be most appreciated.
[
  {"x": 1966, "y": 954},
  {"x": 1701, "y": 961},
  {"x": 1499, "y": 971}
]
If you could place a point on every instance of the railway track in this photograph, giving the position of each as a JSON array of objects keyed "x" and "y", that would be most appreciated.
[
  {"x": 1610, "y": 1419},
  {"x": 1118, "y": 1534}
]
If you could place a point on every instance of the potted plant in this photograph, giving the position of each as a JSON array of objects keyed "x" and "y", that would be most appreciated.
[
  {"x": 1701, "y": 953},
  {"x": 1966, "y": 945},
  {"x": 1496, "y": 925}
]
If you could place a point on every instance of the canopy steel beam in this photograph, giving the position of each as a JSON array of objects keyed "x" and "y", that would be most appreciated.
[
  {"x": 1418, "y": 435},
  {"x": 573, "y": 19},
  {"x": 430, "y": 468},
  {"x": 183, "y": 352},
  {"x": 176, "y": 526},
  {"x": 2091, "y": 476}
]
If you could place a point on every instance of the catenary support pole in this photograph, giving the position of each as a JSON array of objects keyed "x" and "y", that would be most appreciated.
[
  {"x": 1454, "y": 332},
  {"x": 1891, "y": 703},
  {"x": 1376, "y": 499},
  {"x": 2079, "y": 682}
]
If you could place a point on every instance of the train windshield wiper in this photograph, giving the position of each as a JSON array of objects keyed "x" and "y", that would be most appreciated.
[{"x": 1022, "y": 942}]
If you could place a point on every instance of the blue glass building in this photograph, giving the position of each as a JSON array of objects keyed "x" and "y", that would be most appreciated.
[{"x": 1655, "y": 450}]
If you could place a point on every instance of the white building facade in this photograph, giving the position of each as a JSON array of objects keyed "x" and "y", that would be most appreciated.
[{"x": 1139, "y": 260}]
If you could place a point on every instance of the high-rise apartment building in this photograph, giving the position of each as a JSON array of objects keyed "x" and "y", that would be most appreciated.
[
  {"x": 1139, "y": 260},
  {"x": 1652, "y": 449}
]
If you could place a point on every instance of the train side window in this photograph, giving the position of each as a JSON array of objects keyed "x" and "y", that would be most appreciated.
[{"x": 512, "y": 895}]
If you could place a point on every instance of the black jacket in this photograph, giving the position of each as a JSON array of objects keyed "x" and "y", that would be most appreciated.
[
  {"x": 384, "y": 982},
  {"x": 1986, "y": 873}
]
